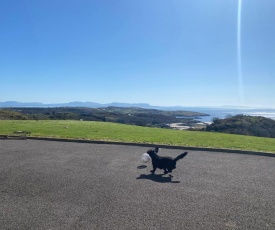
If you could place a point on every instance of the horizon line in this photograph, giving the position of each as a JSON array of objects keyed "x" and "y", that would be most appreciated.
[{"x": 143, "y": 103}]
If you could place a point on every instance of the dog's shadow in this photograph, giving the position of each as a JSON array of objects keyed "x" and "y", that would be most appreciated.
[{"x": 158, "y": 178}]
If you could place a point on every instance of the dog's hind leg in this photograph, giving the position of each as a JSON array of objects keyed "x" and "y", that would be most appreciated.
[{"x": 170, "y": 170}]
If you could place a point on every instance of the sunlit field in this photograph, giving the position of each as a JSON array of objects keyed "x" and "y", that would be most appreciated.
[{"x": 89, "y": 130}]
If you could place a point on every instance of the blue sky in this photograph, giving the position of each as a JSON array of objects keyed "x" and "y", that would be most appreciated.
[{"x": 176, "y": 52}]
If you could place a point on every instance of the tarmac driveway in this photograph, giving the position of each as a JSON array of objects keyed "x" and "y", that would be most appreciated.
[{"x": 62, "y": 185}]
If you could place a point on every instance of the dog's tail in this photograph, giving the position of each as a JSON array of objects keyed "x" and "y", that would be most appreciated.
[{"x": 180, "y": 156}]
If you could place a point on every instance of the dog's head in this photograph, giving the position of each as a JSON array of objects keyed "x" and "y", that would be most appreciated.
[{"x": 153, "y": 152}]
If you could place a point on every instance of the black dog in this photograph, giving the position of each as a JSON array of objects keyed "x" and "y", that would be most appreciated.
[{"x": 165, "y": 163}]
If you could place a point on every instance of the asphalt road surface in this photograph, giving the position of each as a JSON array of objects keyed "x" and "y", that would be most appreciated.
[{"x": 60, "y": 185}]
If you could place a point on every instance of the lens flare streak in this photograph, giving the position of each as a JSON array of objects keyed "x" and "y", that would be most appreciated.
[{"x": 240, "y": 74}]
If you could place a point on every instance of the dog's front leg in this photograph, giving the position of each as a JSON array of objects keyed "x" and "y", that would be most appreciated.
[{"x": 154, "y": 169}]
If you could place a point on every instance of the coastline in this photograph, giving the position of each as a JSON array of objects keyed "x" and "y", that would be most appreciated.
[
  {"x": 203, "y": 121},
  {"x": 180, "y": 126}
]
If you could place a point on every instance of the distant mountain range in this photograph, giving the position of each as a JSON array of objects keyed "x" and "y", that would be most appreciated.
[{"x": 13, "y": 104}]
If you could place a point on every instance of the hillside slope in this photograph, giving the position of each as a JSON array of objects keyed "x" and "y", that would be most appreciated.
[
  {"x": 133, "y": 116},
  {"x": 245, "y": 125}
]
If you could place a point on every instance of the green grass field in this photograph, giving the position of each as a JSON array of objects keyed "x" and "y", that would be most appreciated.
[{"x": 89, "y": 130}]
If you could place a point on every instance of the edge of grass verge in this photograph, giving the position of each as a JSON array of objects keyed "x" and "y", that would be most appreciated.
[{"x": 208, "y": 149}]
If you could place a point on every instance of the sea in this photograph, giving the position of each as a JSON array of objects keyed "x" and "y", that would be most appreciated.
[{"x": 225, "y": 112}]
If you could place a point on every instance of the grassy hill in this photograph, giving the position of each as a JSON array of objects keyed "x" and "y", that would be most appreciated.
[{"x": 11, "y": 115}]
